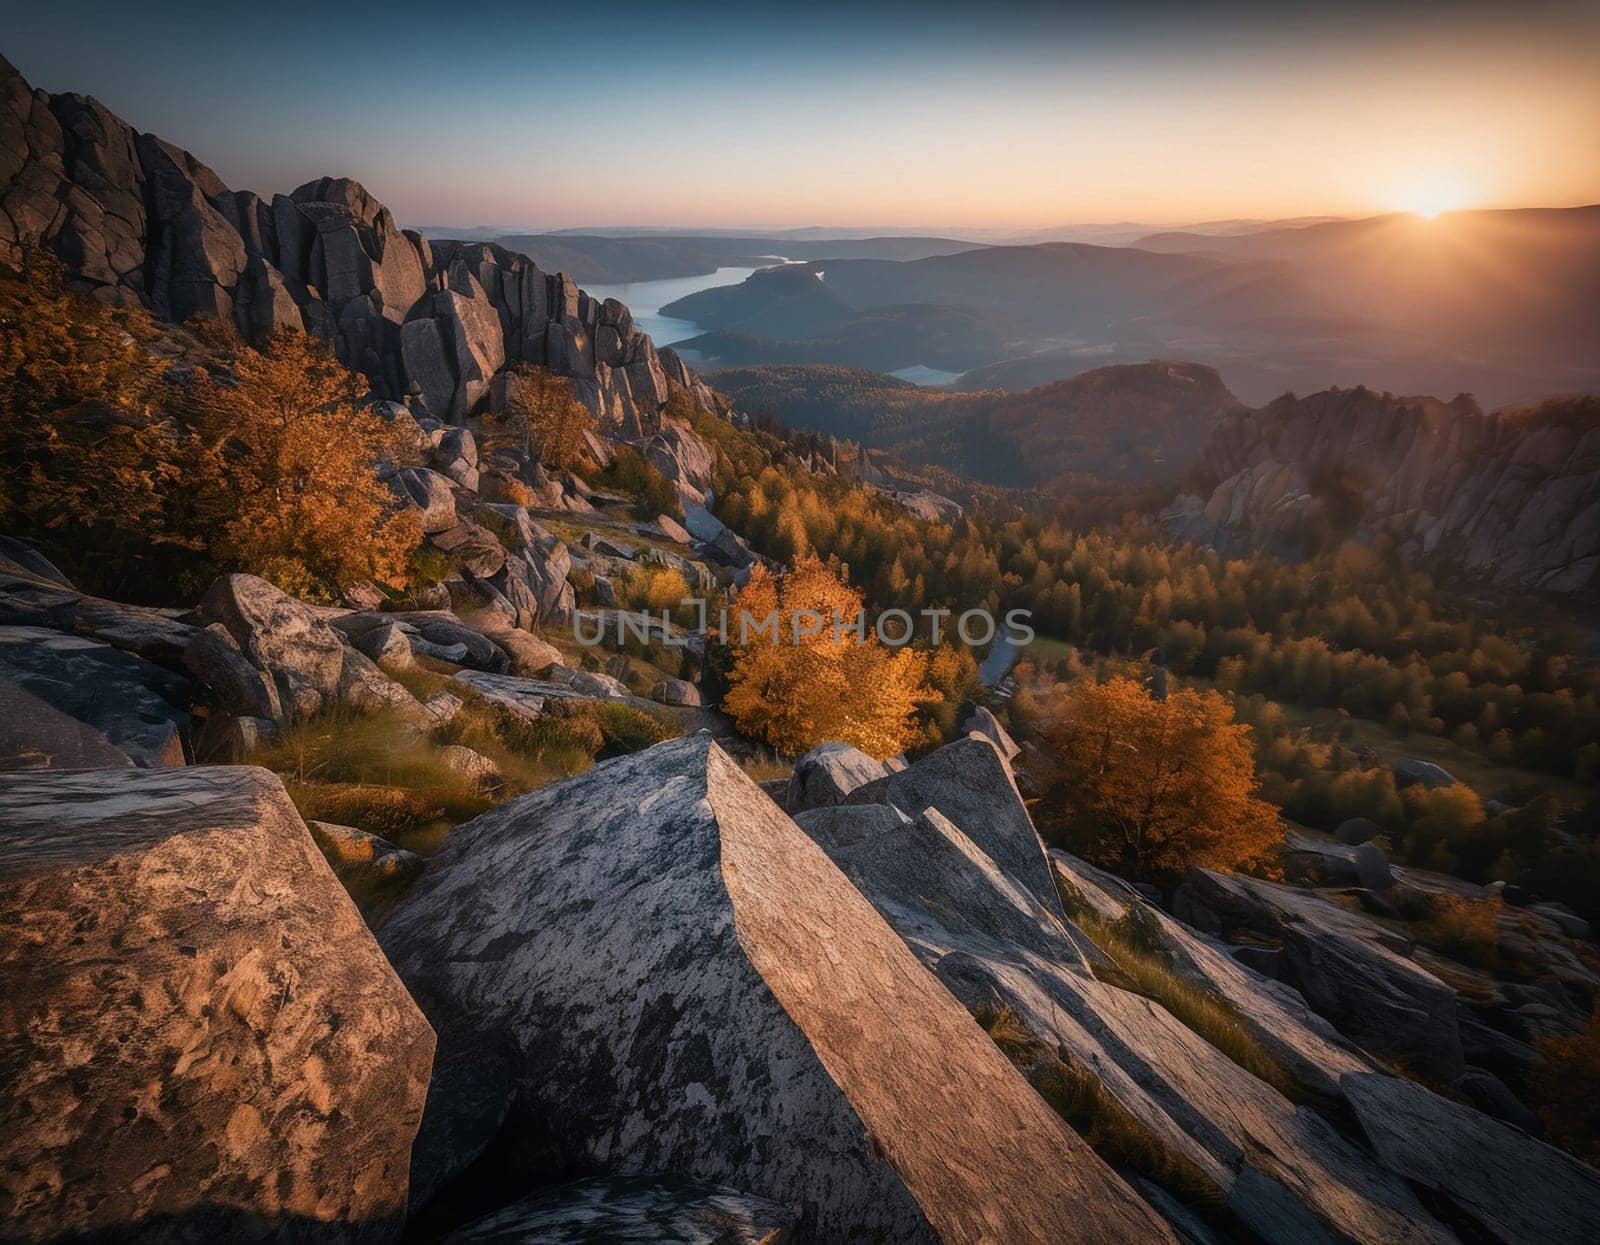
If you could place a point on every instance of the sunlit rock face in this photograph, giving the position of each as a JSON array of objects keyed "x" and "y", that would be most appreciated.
[
  {"x": 199, "y": 1038},
  {"x": 651, "y": 968},
  {"x": 136, "y": 220}
]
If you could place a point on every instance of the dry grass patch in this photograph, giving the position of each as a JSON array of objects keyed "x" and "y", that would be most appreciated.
[
  {"x": 1112, "y": 1131},
  {"x": 1136, "y": 943},
  {"x": 1464, "y": 929}
]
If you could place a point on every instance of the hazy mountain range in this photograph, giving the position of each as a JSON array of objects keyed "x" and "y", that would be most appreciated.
[{"x": 1505, "y": 304}]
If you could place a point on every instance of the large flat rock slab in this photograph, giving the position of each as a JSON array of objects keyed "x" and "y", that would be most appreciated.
[
  {"x": 1514, "y": 1189},
  {"x": 123, "y": 705},
  {"x": 199, "y": 1039},
  {"x": 650, "y": 967},
  {"x": 1352, "y": 971},
  {"x": 1309, "y": 1049}
]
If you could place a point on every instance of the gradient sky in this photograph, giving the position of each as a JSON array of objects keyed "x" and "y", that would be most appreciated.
[{"x": 1008, "y": 115}]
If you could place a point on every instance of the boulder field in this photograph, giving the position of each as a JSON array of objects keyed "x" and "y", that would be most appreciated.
[{"x": 654, "y": 1002}]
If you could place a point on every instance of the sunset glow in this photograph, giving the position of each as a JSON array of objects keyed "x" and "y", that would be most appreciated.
[
  {"x": 931, "y": 117},
  {"x": 1432, "y": 195}
]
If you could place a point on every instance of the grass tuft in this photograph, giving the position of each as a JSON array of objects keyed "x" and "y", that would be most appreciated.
[
  {"x": 1464, "y": 929},
  {"x": 1091, "y": 1111},
  {"x": 1136, "y": 943}
]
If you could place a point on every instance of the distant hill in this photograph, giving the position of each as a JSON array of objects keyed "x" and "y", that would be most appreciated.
[
  {"x": 1137, "y": 423},
  {"x": 784, "y": 302},
  {"x": 606, "y": 259}
]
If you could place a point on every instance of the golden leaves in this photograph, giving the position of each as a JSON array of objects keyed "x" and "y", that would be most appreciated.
[
  {"x": 1158, "y": 785},
  {"x": 815, "y": 681}
]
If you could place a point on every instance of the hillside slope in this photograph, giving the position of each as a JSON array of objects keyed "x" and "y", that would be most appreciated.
[{"x": 1135, "y": 423}]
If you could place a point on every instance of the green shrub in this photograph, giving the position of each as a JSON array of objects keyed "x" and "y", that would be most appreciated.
[{"x": 633, "y": 474}]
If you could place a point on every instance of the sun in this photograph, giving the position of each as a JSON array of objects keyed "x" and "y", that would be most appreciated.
[{"x": 1432, "y": 194}]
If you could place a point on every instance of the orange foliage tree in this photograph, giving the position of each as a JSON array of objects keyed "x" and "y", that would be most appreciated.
[
  {"x": 542, "y": 412},
  {"x": 826, "y": 683},
  {"x": 87, "y": 446},
  {"x": 1566, "y": 1087},
  {"x": 283, "y": 458},
  {"x": 1155, "y": 786}
]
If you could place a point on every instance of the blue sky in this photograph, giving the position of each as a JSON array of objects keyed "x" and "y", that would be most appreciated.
[{"x": 1003, "y": 115}]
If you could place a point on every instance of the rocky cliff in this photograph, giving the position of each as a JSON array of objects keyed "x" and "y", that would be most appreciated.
[
  {"x": 135, "y": 220},
  {"x": 1512, "y": 500}
]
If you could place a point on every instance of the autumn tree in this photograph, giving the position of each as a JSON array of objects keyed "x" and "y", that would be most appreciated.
[
  {"x": 1155, "y": 786},
  {"x": 284, "y": 458},
  {"x": 798, "y": 680},
  {"x": 1565, "y": 1087},
  {"x": 541, "y": 411},
  {"x": 87, "y": 444}
]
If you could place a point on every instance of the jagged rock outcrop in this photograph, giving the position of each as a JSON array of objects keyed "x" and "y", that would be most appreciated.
[
  {"x": 1510, "y": 499},
  {"x": 651, "y": 968},
  {"x": 970, "y": 782},
  {"x": 1285, "y": 1172},
  {"x": 136, "y": 220},
  {"x": 200, "y": 1038},
  {"x": 632, "y": 1211}
]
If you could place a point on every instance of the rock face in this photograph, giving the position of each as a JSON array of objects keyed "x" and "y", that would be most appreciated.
[
  {"x": 691, "y": 986},
  {"x": 200, "y": 1038},
  {"x": 1511, "y": 1187},
  {"x": 1287, "y": 1175},
  {"x": 147, "y": 633},
  {"x": 101, "y": 706},
  {"x": 970, "y": 783},
  {"x": 136, "y": 220},
  {"x": 624, "y": 1210},
  {"x": 1513, "y": 500},
  {"x": 1307, "y": 1047},
  {"x": 1353, "y": 972},
  {"x": 828, "y": 774}
]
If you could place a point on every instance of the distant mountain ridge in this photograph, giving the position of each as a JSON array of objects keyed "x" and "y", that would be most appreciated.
[
  {"x": 1505, "y": 304},
  {"x": 606, "y": 259}
]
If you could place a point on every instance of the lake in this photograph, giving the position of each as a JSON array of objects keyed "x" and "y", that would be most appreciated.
[
  {"x": 920, "y": 375},
  {"x": 645, "y": 299}
]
